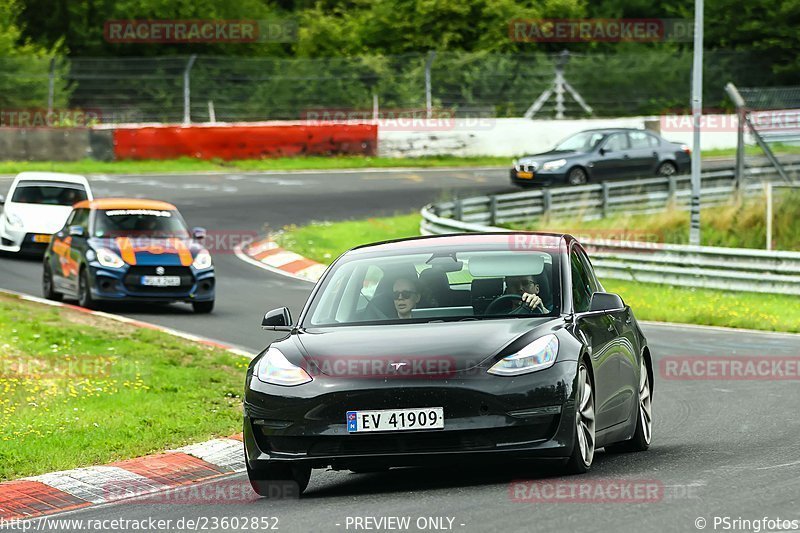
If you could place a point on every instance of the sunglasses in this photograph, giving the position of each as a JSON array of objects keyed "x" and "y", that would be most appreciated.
[{"x": 403, "y": 295}]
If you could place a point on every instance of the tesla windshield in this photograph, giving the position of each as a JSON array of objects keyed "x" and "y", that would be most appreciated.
[
  {"x": 48, "y": 193},
  {"x": 145, "y": 222},
  {"x": 581, "y": 142},
  {"x": 438, "y": 285}
]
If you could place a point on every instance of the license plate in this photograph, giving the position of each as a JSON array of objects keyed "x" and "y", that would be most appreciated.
[
  {"x": 525, "y": 175},
  {"x": 42, "y": 238},
  {"x": 161, "y": 281},
  {"x": 395, "y": 419}
]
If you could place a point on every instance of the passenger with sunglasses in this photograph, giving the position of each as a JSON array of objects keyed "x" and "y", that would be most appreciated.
[{"x": 406, "y": 295}]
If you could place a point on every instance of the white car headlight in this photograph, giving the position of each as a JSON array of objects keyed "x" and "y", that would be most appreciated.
[
  {"x": 14, "y": 221},
  {"x": 202, "y": 260},
  {"x": 554, "y": 165},
  {"x": 275, "y": 369},
  {"x": 109, "y": 259},
  {"x": 538, "y": 355}
]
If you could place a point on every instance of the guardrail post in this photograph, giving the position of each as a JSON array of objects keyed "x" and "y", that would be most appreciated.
[
  {"x": 492, "y": 210},
  {"x": 547, "y": 200},
  {"x": 458, "y": 209},
  {"x": 604, "y": 204},
  {"x": 673, "y": 189}
]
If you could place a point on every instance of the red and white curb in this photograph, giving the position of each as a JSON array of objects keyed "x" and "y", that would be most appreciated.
[
  {"x": 266, "y": 254},
  {"x": 68, "y": 490},
  {"x": 82, "y": 487}
]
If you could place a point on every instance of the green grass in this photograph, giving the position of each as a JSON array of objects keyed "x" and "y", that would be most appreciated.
[
  {"x": 186, "y": 164},
  {"x": 324, "y": 241},
  {"x": 740, "y": 224},
  {"x": 77, "y": 390},
  {"x": 777, "y": 148}
]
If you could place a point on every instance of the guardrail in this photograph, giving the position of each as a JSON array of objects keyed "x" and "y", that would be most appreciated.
[
  {"x": 710, "y": 267},
  {"x": 597, "y": 200}
]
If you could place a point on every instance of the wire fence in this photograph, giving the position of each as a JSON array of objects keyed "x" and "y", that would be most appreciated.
[{"x": 206, "y": 88}]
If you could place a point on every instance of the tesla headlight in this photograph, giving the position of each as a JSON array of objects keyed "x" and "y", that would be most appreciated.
[
  {"x": 538, "y": 355},
  {"x": 109, "y": 259},
  {"x": 14, "y": 221},
  {"x": 275, "y": 369},
  {"x": 202, "y": 260},
  {"x": 554, "y": 165}
]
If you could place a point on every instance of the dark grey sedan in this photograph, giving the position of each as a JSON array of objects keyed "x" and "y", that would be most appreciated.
[{"x": 598, "y": 155}]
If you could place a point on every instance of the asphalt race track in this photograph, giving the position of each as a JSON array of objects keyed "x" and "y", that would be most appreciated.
[{"x": 720, "y": 448}]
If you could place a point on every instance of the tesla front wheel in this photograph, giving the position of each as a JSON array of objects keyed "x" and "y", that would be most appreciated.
[
  {"x": 203, "y": 307},
  {"x": 583, "y": 450},
  {"x": 279, "y": 481},
  {"x": 644, "y": 418}
]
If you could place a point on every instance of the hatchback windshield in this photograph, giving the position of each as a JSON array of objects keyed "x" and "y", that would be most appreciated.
[
  {"x": 46, "y": 193},
  {"x": 153, "y": 223},
  {"x": 581, "y": 142},
  {"x": 436, "y": 285}
]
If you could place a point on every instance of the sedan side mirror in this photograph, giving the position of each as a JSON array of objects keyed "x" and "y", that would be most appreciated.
[
  {"x": 604, "y": 150},
  {"x": 199, "y": 233},
  {"x": 606, "y": 301},
  {"x": 77, "y": 231},
  {"x": 279, "y": 319}
]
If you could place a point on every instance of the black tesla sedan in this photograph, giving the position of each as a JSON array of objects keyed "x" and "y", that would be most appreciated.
[
  {"x": 460, "y": 347},
  {"x": 597, "y": 155}
]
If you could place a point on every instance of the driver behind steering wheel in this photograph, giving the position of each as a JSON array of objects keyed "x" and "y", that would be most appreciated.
[{"x": 528, "y": 289}]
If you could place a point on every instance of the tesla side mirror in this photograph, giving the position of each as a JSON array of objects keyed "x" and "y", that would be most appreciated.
[
  {"x": 199, "y": 233},
  {"x": 606, "y": 301},
  {"x": 77, "y": 231},
  {"x": 279, "y": 319}
]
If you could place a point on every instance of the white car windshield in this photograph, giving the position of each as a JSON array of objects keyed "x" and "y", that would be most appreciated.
[{"x": 48, "y": 193}]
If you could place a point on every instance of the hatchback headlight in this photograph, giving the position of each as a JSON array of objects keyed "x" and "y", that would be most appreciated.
[
  {"x": 554, "y": 165},
  {"x": 14, "y": 221},
  {"x": 275, "y": 369},
  {"x": 538, "y": 355},
  {"x": 202, "y": 260},
  {"x": 109, "y": 259}
]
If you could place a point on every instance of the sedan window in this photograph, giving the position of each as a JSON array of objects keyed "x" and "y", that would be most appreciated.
[
  {"x": 639, "y": 140},
  {"x": 617, "y": 142}
]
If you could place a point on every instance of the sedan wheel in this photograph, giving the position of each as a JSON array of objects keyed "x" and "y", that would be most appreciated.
[
  {"x": 47, "y": 285},
  {"x": 666, "y": 169},
  {"x": 577, "y": 176},
  {"x": 85, "y": 292},
  {"x": 583, "y": 452}
]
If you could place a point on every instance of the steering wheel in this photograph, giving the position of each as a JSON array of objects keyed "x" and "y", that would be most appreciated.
[{"x": 494, "y": 307}]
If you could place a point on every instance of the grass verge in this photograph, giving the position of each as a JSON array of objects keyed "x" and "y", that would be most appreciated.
[
  {"x": 740, "y": 224},
  {"x": 187, "y": 164},
  {"x": 324, "y": 241},
  {"x": 78, "y": 390}
]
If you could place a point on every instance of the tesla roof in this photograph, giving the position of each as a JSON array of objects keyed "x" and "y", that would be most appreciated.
[
  {"x": 518, "y": 241},
  {"x": 125, "y": 203}
]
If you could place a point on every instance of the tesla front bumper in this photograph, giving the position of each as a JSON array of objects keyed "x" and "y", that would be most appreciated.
[{"x": 487, "y": 416}]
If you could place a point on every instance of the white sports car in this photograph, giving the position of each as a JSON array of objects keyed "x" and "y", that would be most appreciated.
[{"x": 37, "y": 206}]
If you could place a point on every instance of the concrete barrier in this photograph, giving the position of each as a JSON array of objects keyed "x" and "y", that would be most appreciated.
[{"x": 44, "y": 144}]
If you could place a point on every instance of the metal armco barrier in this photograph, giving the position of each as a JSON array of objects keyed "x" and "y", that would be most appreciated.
[
  {"x": 736, "y": 269},
  {"x": 596, "y": 200}
]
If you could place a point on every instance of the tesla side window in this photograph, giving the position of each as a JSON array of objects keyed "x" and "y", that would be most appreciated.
[
  {"x": 617, "y": 142},
  {"x": 48, "y": 194},
  {"x": 581, "y": 285},
  {"x": 639, "y": 140},
  {"x": 457, "y": 285},
  {"x": 594, "y": 283}
]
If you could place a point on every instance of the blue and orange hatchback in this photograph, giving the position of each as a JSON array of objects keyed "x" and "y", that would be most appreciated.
[{"x": 119, "y": 249}]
